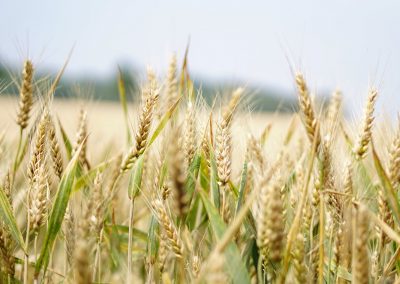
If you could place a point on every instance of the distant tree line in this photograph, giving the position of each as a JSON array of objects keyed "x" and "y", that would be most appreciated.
[{"x": 258, "y": 99}]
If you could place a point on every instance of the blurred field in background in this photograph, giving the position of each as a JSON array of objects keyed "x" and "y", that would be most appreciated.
[{"x": 107, "y": 134}]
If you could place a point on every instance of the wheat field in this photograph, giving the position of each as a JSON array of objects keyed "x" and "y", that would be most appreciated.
[{"x": 172, "y": 190}]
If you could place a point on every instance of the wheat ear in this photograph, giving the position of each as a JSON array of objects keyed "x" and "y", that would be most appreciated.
[
  {"x": 25, "y": 95},
  {"x": 81, "y": 136},
  {"x": 39, "y": 147},
  {"x": 394, "y": 159},
  {"x": 306, "y": 107},
  {"x": 145, "y": 119},
  {"x": 169, "y": 228},
  {"x": 38, "y": 200},
  {"x": 365, "y": 135},
  {"x": 56, "y": 156}
]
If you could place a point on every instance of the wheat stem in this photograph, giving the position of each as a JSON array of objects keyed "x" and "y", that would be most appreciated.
[{"x": 130, "y": 241}]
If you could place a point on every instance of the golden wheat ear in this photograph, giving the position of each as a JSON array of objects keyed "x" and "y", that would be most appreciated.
[
  {"x": 25, "y": 95},
  {"x": 394, "y": 158},
  {"x": 39, "y": 147},
  {"x": 306, "y": 108},
  {"x": 81, "y": 138},
  {"x": 365, "y": 135},
  {"x": 174, "y": 241},
  {"x": 56, "y": 155},
  {"x": 142, "y": 133}
]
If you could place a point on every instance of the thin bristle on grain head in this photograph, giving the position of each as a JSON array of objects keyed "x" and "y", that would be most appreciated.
[
  {"x": 169, "y": 228},
  {"x": 365, "y": 135},
  {"x": 306, "y": 107},
  {"x": 142, "y": 133},
  {"x": 26, "y": 95},
  {"x": 360, "y": 255}
]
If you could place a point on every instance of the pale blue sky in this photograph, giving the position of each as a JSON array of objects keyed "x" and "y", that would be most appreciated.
[{"x": 345, "y": 43}]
